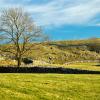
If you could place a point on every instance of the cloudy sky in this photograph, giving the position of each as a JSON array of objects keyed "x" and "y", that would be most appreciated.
[{"x": 62, "y": 19}]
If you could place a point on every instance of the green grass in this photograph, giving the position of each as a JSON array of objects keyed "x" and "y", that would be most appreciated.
[
  {"x": 49, "y": 87},
  {"x": 85, "y": 66},
  {"x": 82, "y": 66}
]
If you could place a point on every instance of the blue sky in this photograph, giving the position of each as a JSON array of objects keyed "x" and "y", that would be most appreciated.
[{"x": 62, "y": 19}]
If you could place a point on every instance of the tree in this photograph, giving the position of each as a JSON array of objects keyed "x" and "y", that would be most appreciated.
[{"x": 19, "y": 31}]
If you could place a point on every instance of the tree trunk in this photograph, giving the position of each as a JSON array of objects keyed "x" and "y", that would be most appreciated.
[{"x": 19, "y": 62}]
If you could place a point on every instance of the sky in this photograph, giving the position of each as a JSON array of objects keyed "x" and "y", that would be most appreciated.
[{"x": 62, "y": 19}]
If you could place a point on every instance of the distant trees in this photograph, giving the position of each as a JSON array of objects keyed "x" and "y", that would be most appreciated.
[{"x": 19, "y": 31}]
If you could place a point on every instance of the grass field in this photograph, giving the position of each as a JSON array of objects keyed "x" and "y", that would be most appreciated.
[
  {"x": 82, "y": 66},
  {"x": 49, "y": 87},
  {"x": 85, "y": 66}
]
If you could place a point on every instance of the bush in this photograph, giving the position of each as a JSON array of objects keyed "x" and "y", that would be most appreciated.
[{"x": 27, "y": 61}]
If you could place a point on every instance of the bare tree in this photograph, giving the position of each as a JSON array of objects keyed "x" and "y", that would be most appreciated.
[{"x": 19, "y": 30}]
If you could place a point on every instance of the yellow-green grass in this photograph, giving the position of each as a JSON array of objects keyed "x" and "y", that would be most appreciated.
[
  {"x": 60, "y": 52},
  {"x": 85, "y": 66},
  {"x": 49, "y": 87},
  {"x": 82, "y": 66},
  {"x": 7, "y": 62}
]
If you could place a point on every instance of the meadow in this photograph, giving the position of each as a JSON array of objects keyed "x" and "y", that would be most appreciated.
[
  {"x": 85, "y": 66},
  {"x": 30, "y": 86},
  {"x": 29, "y": 68},
  {"x": 36, "y": 86},
  {"x": 49, "y": 87}
]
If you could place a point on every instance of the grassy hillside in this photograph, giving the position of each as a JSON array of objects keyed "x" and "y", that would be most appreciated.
[
  {"x": 62, "y": 52},
  {"x": 49, "y": 87}
]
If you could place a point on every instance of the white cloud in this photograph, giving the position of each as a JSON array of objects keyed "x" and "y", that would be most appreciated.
[{"x": 61, "y": 12}]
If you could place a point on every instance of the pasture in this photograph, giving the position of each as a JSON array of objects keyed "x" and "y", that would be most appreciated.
[
  {"x": 28, "y": 86},
  {"x": 49, "y": 87}
]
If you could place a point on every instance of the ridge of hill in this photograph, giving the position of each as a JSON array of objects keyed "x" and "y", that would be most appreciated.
[{"x": 62, "y": 52}]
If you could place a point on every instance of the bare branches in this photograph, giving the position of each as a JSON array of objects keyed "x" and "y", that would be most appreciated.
[{"x": 19, "y": 28}]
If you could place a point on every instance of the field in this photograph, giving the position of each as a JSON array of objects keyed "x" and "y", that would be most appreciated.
[
  {"x": 54, "y": 86},
  {"x": 36, "y": 66},
  {"x": 82, "y": 66},
  {"x": 49, "y": 87},
  {"x": 85, "y": 66}
]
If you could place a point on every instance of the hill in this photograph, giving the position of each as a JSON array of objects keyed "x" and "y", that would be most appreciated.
[{"x": 62, "y": 52}]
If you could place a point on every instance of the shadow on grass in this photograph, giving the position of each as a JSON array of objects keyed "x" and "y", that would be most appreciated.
[
  {"x": 98, "y": 65},
  {"x": 45, "y": 70}
]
